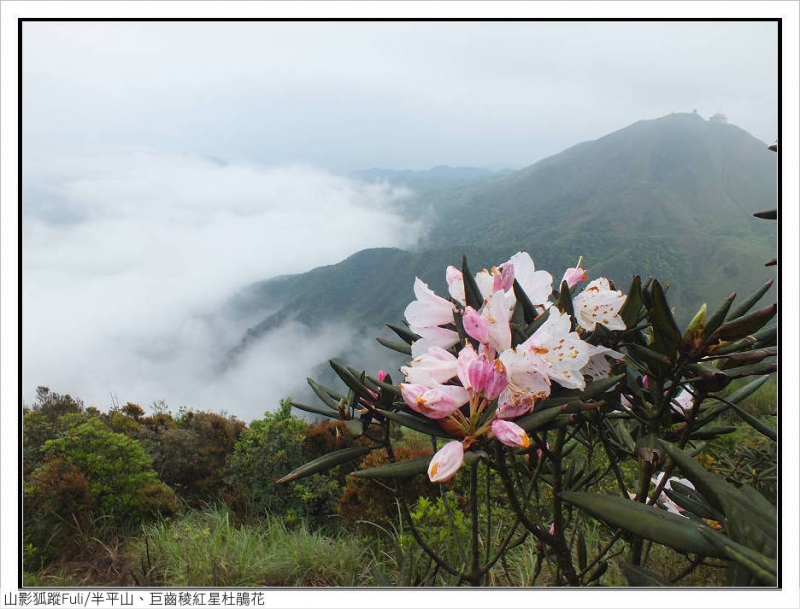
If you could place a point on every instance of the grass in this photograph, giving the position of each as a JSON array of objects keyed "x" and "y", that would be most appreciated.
[{"x": 204, "y": 548}]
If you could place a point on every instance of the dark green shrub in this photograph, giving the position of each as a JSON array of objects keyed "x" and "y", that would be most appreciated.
[
  {"x": 270, "y": 448},
  {"x": 116, "y": 468}
]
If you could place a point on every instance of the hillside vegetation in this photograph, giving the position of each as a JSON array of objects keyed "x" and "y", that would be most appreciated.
[{"x": 671, "y": 198}]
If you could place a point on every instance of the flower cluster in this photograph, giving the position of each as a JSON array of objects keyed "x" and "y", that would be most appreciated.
[{"x": 500, "y": 381}]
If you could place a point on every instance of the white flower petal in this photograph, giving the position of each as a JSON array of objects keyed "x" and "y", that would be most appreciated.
[
  {"x": 538, "y": 285},
  {"x": 428, "y": 310},
  {"x": 435, "y": 366},
  {"x": 433, "y": 337},
  {"x": 598, "y": 303}
]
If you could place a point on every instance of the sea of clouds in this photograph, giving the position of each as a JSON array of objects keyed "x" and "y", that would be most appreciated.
[{"x": 129, "y": 256}]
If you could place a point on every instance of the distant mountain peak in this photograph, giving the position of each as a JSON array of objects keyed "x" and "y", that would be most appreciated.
[{"x": 670, "y": 197}]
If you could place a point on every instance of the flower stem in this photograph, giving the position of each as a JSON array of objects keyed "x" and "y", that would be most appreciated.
[{"x": 474, "y": 577}]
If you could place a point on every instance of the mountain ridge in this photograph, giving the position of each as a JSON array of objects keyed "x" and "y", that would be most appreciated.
[{"x": 671, "y": 197}]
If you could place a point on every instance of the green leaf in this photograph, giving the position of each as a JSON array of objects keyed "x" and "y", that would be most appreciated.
[
  {"x": 770, "y": 214},
  {"x": 524, "y": 303},
  {"x": 600, "y": 386},
  {"x": 750, "y": 301},
  {"x": 394, "y": 345},
  {"x": 756, "y": 424},
  {"x": 567, "y": 397},
  {"x": 763, "y": 568},
  {"x": 400, "y": 469},
  {"x": 709, "y": 378},
  {"x": 689, "y": 499},
  {"x": 565, "y": 302},
  {"x": 754, "y": 355},
  {"x": 631, "y": 309},
  {"x": 350, "y": 380},
  {"x": 331, "y": 398},
  {"x": 744, "y": 326},
  {"x": 766, "y": 337},
  {"x": 581, "y": 548},
  {"x": 422, "y": 425},
  {"x": 751, "y": 370},
  {"x": 536, "y": 420},
  {"x": 726, "y": 498},
  {"x": 407, "y": 335},
  {"x": 656, "y": 364},
  {"x": 387, "y": 387},
  {"x": 472, "y": 292},
  {"x": 745, "y": 391},
  {"x": 710, "y": 433},
  {"x": 718, "y": 316},
  {"x": 326, "y": 462},
  {"x": 639, "y": 576},
  {"x": 644, "y": 521},
  {"x": 624, "y": 436},
  {"x": 666, "y": 335},
  {"x": 326, "y": 412},
  {"x": 647, "y": 299},
  {"x": 597, "y": 573}
]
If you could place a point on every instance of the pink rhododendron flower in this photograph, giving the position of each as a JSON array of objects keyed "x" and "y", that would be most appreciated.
[
  {"x": 510, "y": 433},
  {"x": 435, "y": 402},
  {"x": 487, "y": 377},
  {"x": 527, "y": 383},
  {"x": 598, "y": 367},
  {"x": 382, "y": 375},
  {"x": 428, "y": 309},
  {"x": 598, "y": 303},
  {"x": 446, "y": 462},
  {"x": 575, "y": 275},
  {"x": 562, "y": 351},
  {"x": 537, "y": 285},
  {"x": 433, "y": 367},
  {"x": 425, "y": 315}
]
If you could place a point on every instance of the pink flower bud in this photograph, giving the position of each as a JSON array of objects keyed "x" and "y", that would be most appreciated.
[
  {"x": 479, "y": 371},
  {"x": 446, "y": 462},
  {"x": 382, "y": 375},
  {"x": 498, "y": 382},
  {"x": 510, "y": 433}
]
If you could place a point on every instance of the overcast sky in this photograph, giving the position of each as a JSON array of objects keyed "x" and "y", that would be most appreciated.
[
  {"x": 405, "y": 95},
  {"x": 168, "y": 164}
]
